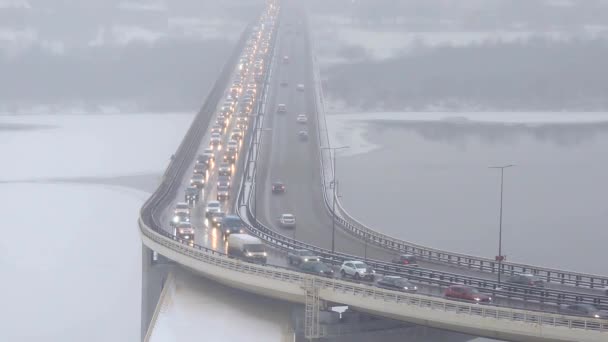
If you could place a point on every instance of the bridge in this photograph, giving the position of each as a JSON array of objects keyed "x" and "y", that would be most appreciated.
[{"x": 271, "y": 150}]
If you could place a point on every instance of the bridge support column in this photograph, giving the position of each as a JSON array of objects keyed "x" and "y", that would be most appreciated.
[{"x": 312, "y": 309}]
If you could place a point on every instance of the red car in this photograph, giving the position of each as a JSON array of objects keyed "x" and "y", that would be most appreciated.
[
  {"x": 467, "y": 293},
  {"x": 278, "y": 187}
]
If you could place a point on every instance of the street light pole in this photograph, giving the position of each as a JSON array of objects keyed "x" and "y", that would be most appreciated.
[
  {"x": 335, "y": 187},
  {"x": 500, "y": 257}
]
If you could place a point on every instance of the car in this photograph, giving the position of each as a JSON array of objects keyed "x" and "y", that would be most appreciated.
[
  {"x": 525, "y": 279},
  {"x": 318, "y": 268},
  {"x": 223, "y": 192},
  {"x": 230, "y": 157},
  {"x": 179, "y": 218},
  {"x": 184, "y": 231},
  {"x": 357, "y": 270},
  {"x": 182, "y": 207},
  {"x": 201, "y": 169},
  {"x": 587, "y": 310},
  {"x": 204, "y": 160},
  {"x": 232, "y": 146},
  {"x": 298, "y": 256},
  {"x": 285, "y": 59},
  {"x": 284, "y": 83},
  {"x": 192, "y": 195},
  {"x": 217, "y": 129},
  {"x": 216, "y": 141},
  {"x": 303, "y": 135},
  {"x": 225, "y": 169},
  {"x": 397, "y": 283},
  {"x": 467, "y": 293},
  {"x": 198, "y": 180},
  {"x": 405, "y": 259},
  {"x": 301, "y": 118},
  {"x": 236, "y": 135},
  {"x": 278, "y": 187},
  {"x": 209, "y": 153},
  {"x": 300, "y": 87},
  {"x": 281, "y": 108},
  {"x": 216, "y": 218},
  {"x": 232, "y": 224},
  {"x": 287, "y": 221},
  {"x": 212, "y": 207}
]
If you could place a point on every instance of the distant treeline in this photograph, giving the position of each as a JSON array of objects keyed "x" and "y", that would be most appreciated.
[{"x": 532, "y": 75}]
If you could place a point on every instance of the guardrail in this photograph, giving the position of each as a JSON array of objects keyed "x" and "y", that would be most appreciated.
[
  {"x": 154, "y": 235},
  {"x": 361, "y": 231},
  {"x": 434, "y": 277}
]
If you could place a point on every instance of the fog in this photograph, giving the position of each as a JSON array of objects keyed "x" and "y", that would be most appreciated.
[{"x": 430, "y": 91}]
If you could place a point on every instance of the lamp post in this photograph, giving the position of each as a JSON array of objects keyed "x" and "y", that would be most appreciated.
[
  {"x": 333, "y": 211},
  {"x": 256, "y": 141},
  {"x": 500, "y": 257}
]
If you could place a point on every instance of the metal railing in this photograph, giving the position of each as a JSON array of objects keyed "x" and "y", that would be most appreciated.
[
  {"x": 153, "y": 233},
  {"x": 363, "y": 232}
]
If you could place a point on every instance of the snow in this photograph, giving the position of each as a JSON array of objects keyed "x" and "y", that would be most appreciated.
[
  {"x": 196, "y": 309},
  {"x": 71, "y": 262},
  {"x": 92, "y": 145},
  {"x": 72, "y": 254},
  {"x": 351, "y": 129}
]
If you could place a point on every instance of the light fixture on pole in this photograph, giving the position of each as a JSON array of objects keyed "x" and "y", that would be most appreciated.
[
  {"x": 500, "y": 258},
  {"x": 334, "y": 188}
]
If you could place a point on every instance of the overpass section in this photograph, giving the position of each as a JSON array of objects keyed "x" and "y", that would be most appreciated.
[{"x": 278, "y": 282}]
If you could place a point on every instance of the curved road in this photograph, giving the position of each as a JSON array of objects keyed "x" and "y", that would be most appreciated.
[{"x": 297, "y": 163}]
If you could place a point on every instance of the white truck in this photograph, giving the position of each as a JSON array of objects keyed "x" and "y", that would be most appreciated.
[{"x": 247, "y": 247}]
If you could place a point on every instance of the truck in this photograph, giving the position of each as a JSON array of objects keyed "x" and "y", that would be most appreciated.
[
  {"x": 247, "y": 247},
  {"x": 232, "y": 224}
]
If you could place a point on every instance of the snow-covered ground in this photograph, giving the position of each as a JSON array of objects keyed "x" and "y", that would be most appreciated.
[{"x": 71, "y": 256}]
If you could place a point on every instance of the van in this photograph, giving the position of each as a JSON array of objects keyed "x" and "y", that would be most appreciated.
[{"x": 247, "y": 247}]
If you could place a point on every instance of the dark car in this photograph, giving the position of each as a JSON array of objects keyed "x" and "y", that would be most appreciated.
[
  {"x": 587, "y": 310},
  {"x": 203, "y": 159},
  {"x": 525, "y": 279},
  {"x": 216, "y": 218},
  {"x": 317, "y": 267},
  {"x": 406, "y": 259},
  {"x": 191, "y": 195},
  {"x": 179, "y": 217},
  {"x": 185, "y": 231},
  {"x": 303, "y": 135},
  {"x": 225, "y": 169},
  {"x": 278, "y": 187},
  {"x": 397, "y": 283},
  {"x": 223, "y": 191},
  {"x": 198, "y": 180},
  {"x": 232, "y": 224},
  {"x": 230, "y": 157},
  {"x": 467, "y": 293}
]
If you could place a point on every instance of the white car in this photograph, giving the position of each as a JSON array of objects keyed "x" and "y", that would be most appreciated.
[
  {"x": 212, "y": 207},
  {"x": 301, "y": 118},
  {"x": 182, "y": 207},
  {"x": 209, "y": 152},
  {"x": 281, "y": 108},
  {"x": 357, "y": 270},
  {"x": 233, "y": 146},
  {"x": 300, "y": 87},
  {"x": 287, "y": 220}
]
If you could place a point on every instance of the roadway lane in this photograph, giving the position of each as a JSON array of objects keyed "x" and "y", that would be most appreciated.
[{"x": 297, "y": 164}]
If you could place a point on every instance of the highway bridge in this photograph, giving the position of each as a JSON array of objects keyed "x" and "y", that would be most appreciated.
[{"x": 271, "y": 151}]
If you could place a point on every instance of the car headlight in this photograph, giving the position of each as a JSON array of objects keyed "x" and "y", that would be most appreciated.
[
  {"x": 406, "y": 288},
  {"x": 477, "y": 299},
  {"x": 305, "y": 259},
  {"x": 264, "y": 254},
  {"x": 249, "y": 254},
  {"x": 175, "y": 219},
  {"x": 596, "y": 316},
  {"x": 187, "y": 237},
  {"x": 415, "y": 287},
  {"x": 228, "y": 231}
]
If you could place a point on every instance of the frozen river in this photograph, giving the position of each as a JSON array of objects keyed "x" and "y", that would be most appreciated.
[{"x": 424, "y": 177}]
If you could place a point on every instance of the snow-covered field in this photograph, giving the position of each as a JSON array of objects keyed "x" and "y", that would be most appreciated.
[{"x": 71, "y": 256}]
